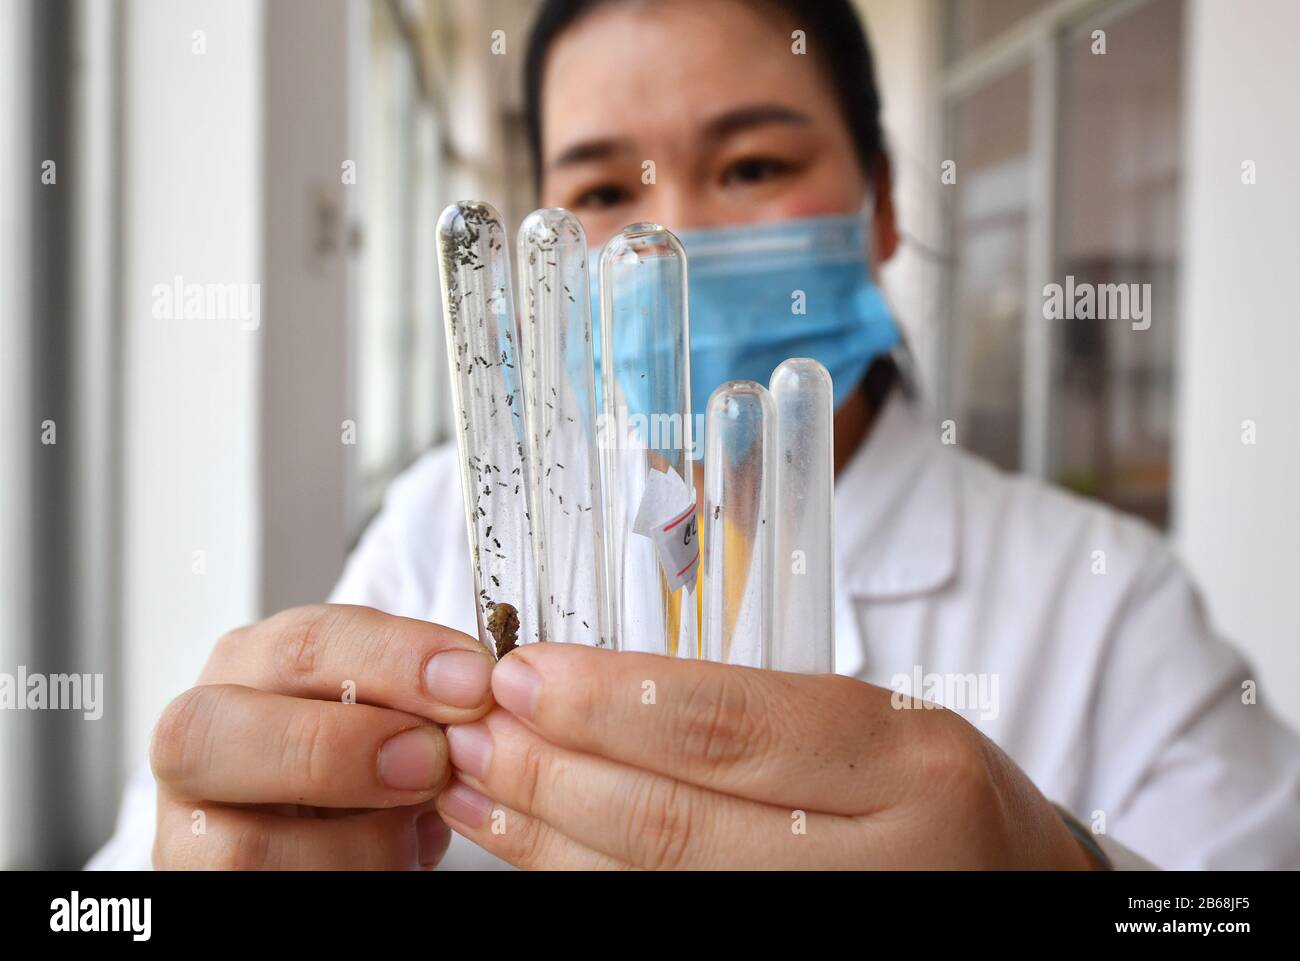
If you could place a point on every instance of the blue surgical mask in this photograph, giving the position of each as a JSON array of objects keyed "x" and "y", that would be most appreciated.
[{"x": 762, "y": 293}]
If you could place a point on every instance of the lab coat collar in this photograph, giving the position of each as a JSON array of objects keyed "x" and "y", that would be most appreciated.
[{"x": 897, "y": 513}]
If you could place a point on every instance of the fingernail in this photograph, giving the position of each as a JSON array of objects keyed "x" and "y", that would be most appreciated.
[
  {"x": 462, "y": 803},
  {"x": 434, "y": 837},
  {"x": 516, "y": 686},
  {"x": 458, "y": 678},
  {"x": 471, "y": 748},
  {"x": 411, "y": 761}
]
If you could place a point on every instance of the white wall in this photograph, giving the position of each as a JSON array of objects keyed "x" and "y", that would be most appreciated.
[
  {"x": 305, "y": 389},
  {"x": 1238, "y": 519},
  {"x": 191, "y": 206},
  {"x": 904, "y": 37},
  {"x": 235, "y": 470}
]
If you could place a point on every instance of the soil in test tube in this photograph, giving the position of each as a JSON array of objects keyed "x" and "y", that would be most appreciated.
[{"x": 503, "y": 625}]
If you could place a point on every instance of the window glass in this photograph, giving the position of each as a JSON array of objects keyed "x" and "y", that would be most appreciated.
[
  {"x": 1118, "y": 225},
  {"x": 972, "y": 23},
  {"x": 401, "y": 373},
  {"x": 987, "y": 296}
]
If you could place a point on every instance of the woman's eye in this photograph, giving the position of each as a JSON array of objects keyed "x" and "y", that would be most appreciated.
[
  {"x": 753, "y": 170},
  {"x": 598, "y": 198}
]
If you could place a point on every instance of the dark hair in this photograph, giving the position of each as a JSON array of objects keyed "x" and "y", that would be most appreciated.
[{"x": 835, "y": 38}]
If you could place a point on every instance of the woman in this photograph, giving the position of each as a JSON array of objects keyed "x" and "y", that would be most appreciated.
[{"x": 1109, "y": 693}]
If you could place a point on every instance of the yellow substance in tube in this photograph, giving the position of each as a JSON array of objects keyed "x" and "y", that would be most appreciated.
[{"x": 733, "y": 538}]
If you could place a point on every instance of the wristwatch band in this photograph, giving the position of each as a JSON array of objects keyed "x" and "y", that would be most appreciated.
[{"x": 1084, "y": 837}]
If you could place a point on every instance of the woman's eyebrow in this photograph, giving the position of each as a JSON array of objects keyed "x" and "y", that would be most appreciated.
[
  {"x": 718, "y": 128},
  {"x": 757, "y": 115},
  {"x": 587, "y": 150}
]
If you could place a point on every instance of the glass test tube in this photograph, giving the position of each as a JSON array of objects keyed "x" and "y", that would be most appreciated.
[
  {"x": 651, "y": 531},
  {"x": 483, "y": 357},
  {"x": 739, "y": 483},
  {"x": 560, "y": 396},
  {"x": 803, "y": 632}
]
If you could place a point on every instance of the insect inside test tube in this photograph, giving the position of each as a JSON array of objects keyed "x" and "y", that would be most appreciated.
[
  {"x": 560, "y": 395},
  {"x": 484, "y": 364}
]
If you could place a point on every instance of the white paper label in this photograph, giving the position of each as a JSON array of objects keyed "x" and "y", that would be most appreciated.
[{"x": 667, "y": 516}]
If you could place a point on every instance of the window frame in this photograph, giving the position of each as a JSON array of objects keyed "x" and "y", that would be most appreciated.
[{"x": 1035, "y": 42}]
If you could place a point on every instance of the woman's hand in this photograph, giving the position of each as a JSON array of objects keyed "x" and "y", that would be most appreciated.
[
  {"x": 267, "y": 764},
  {"x": 594, "y": 759}
]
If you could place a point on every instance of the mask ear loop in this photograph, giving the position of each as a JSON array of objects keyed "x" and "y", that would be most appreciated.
[
  {"x": 904, "y": 360},
  {"x": 867, "y": 218},
  {"x": 901, "y": 355}
]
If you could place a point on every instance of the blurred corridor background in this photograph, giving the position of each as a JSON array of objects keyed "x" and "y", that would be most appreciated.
[{"x": 202, "y": 473}]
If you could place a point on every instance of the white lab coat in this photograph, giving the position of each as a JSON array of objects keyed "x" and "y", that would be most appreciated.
[{"x": 1069, "y": 634}]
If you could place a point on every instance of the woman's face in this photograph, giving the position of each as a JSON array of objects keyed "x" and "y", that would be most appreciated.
[{"x": 738, "y": 127}]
